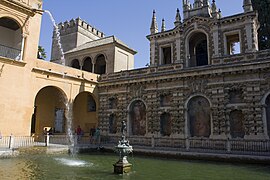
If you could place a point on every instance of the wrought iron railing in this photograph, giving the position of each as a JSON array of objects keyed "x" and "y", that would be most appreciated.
[
  {"x": 201, "y": 145},
  {"x": 9, "y": 52},
  {"x": 230, "y": 146}
]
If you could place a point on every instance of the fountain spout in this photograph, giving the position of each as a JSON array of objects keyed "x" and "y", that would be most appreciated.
[{"x": 38, "y": 11}]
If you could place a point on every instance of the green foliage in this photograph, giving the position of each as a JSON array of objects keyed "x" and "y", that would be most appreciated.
[
  {"x": 263, "y": 7},
  {"x": 41, "y": 53}
]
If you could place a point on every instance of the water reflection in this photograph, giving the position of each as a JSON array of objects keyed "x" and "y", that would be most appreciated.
[
  {"x": 37, "y": 165},
  {"x": 73, "y": 162}
]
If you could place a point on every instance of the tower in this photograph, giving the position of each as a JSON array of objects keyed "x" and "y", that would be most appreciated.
[{"x": 73, "y": 33}]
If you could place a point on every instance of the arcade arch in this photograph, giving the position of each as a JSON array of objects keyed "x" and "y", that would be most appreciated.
[
  {"x": 11, "y": 40},
  {"x": 85, "y": 111},
  {"x": 49, "y": 113}
]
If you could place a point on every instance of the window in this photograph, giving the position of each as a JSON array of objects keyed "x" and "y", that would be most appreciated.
[
  {"x": 11, "y": 41},
  {"x": 91, "y": 104},
  {"x": 166, "y": 55},
  {"x": 198, "y": 50},
  {"x": 233, "y": 45},
  {"x": 87, "y": 65},
  {"x": 75, "y": 63},
  {"x": 100, "y": 66}
]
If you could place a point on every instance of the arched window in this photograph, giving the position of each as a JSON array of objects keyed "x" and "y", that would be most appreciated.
[
  {"x": 87, "y": 65},
  {"x": 267, "y": 102},
  {"x": 11, "y": 40},
  {"x": 165, "y": 124},
  {"x": 75, "y": 63},
  {"x": 236, "y": 124},
  {"x": 100, "y": 66},
  {"x": 91, "y": 104},
  {"x": 199, "y": 120},
  {"x": 112, "y": 124},
  {"x": 198, "y": 50},
  {"x": 137, "y": 112}
]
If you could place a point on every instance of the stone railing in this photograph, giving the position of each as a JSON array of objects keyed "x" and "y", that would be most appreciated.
[
  {"x": 12, "y": 142},
  {"x": 26, "y": 2},
  {"x": 10, "y": 52}
]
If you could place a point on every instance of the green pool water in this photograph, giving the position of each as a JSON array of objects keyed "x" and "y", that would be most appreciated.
[{"x": 37, "y": 165}]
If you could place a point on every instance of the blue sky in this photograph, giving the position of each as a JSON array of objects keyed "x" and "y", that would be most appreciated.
[{"x": 129, "y": 20}]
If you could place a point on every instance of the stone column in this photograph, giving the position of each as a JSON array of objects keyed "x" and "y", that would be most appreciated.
[{"x": 22, "y": 46}]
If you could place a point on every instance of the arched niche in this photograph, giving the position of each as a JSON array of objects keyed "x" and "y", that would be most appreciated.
[
  {"x": 137, "y": 118},
  {"x": 267, "y": 110},
  {"x": 165, "y": 124},
  {"x": 112, "y": 124},
  {"x": 237, "y": 129},
  {"x": 199, "y": 117}
]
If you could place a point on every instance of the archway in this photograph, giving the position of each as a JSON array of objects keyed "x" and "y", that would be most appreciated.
[
  {"x": 237, "y": 129},
  {"x": 267, "y": 102},
  {"x": 137, "y": 118},
  {"x": 198, "y": 50},
  {"x": 199, "y": 118},
  {"x": 11, "y": 40},
  {"x": 75, "y": 63},
  {"x": 87, "y": 65},
  {"x": 84, "y": 111},
  {"x": 50, "y": 107},
  {"x": 165, "y": 124},
  {"x": 100, "y": 66}
]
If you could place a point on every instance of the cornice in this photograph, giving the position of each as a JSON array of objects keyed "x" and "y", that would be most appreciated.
[{"x": 19, "y": 6}]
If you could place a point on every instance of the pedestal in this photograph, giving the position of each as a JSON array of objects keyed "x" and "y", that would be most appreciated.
[{"x": 121, "y": 168}]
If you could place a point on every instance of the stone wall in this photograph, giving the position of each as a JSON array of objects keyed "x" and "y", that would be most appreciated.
[{"x": 228, "y": 93}]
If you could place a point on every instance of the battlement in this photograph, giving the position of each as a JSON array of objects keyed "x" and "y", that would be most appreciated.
[{"x": 74, "y": 23}]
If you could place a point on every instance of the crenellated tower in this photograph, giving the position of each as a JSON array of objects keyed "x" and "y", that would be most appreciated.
[{"x": 73, "y": 33}]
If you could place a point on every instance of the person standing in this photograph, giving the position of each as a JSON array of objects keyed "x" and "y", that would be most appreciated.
[
  {"x": 97, "y": 136},
  {"x": 79, "y": 133}
]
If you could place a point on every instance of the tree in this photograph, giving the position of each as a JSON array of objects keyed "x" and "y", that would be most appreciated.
[
  {"x": 263, "y": 7},
  {"x": 41, "y": 53}
]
